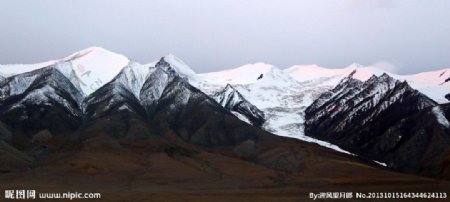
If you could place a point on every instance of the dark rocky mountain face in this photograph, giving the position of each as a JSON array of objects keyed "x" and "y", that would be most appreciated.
[
  {"x": 43, "y": 99},
  {"x": 446, "y": 109},
  {"x": 447, "y": 96},
  {"x": 174, "y": 105},
  {"x": 381, "y": 119},
  {"x": 200, "y": 120},
  {"x": 117, "y": 95},
  {"x": 110, "y": 98},
  {"x": 232, "y": 100},
  {"x": 153, "y": 88}
]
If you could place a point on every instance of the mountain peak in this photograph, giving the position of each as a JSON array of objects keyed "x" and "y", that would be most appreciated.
[
  {"x": 94, "y": 67},
  {"x": 229, "y": 87},
  {"x": 384, "y": 77},
  {"x": 259, "y": 66},
  {"x": 262, "y": 64},
  {"x": 91, "y": 67},
  {"x": 355, "y": 66},
  {"x": 94, "y": 51},
  {"x": 172, "y": 56},
  {"x": 172, "y": 63}
]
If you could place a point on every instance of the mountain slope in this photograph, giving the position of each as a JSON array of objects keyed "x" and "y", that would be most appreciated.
[
  {"x": 91, "y": 68},
  {"x": 41, "y": 99},
  {"x": 122, "y": 93},
  {"x": 381, "y": 119},
  {"x": 170, "y": 67},
  {"x": 267, "y": 88},
  {"x": 281, "y": 98},
  {"x": 175, "y": 105},
  {"x": 197, "y": 118},
  {"x": 434, "y": 84},
  {"x": 14, "y": 69},
  {"x": 232, "y": 100}
]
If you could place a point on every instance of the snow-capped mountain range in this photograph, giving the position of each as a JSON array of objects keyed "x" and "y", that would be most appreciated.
[
  {"x": 383, "y": 119},
  {"x": 283, "y": 95},
  {"x": 434, "y": 84},
  {"x": 259, "y": 93}
]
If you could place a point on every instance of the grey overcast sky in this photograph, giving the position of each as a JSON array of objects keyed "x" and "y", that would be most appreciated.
[{"x": 411, "y": 35}]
